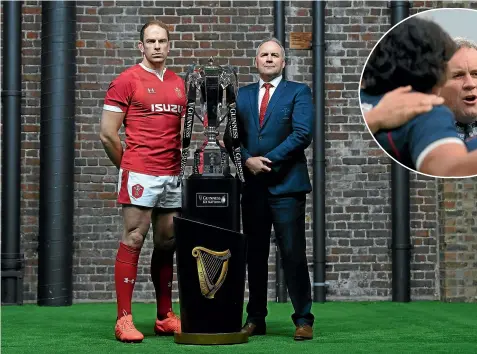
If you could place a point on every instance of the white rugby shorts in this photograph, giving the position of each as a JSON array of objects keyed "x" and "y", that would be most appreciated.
[{"x": 149, "y": 191}]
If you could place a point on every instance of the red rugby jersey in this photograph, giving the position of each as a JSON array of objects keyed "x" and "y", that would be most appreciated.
[{"x": 152, "y": 123}]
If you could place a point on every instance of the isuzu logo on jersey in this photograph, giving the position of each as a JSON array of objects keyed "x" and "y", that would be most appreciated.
[{"x": 159, "y": 107}]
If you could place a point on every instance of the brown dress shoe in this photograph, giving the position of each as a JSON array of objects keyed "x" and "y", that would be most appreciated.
[
  {"x": 303, "y": 332},
  {"x": 253, "y": 330}
]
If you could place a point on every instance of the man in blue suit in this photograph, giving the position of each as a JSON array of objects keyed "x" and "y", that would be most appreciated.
[{"x": 275, "y": 122}]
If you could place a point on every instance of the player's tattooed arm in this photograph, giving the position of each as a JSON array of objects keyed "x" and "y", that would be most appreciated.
[{"x": 109, "y": 134}]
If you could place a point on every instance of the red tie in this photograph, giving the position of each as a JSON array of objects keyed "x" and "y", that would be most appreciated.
[{"x": 264, "y": 104}]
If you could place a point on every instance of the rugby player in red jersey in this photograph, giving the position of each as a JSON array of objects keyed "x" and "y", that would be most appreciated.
[{"x": 150, "y": 101}]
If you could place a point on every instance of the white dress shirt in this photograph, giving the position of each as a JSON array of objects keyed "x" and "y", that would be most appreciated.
[{"x": 261, "y": 92}]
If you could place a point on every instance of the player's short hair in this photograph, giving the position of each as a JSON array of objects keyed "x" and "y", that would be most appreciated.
[
  {"x": 415, "y": 52},
  {"x": 271, "y": 39},
  {"x": 462, "y": 42},
  {"x": 153, "y": 23}
]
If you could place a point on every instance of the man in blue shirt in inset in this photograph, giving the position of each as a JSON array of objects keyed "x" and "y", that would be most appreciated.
[{"x": 416, "y": 53}]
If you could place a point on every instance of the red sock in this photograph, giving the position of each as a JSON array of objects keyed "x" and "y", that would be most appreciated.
[
  {"x": 125, "y": 272},
  {"x": 161, "y": 274}
]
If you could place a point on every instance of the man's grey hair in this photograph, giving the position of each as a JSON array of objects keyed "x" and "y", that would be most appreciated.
[
  {"x": 465, "y": 43},
  {"x": 271, "y": 39}
]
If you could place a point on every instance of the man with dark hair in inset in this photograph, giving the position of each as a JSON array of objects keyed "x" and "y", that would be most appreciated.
[
  {"x": 149, "y": 100},
  {"x": 416, "y": 53}
]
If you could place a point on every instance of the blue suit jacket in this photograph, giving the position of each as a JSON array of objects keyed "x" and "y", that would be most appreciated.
[{"x": 286, "y": 132}]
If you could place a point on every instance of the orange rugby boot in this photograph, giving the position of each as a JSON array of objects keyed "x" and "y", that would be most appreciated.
[
  {"x": 126, "y": 332},
  {"x": 168, "y": 326}
]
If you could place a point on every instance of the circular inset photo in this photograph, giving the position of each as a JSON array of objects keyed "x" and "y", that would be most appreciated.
[{"x": 418, "y": 93}]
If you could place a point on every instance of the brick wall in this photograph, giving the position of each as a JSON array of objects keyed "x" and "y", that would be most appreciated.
[
  {"x": 358, "y": 218},
  {"x": 458, "y": 240}
]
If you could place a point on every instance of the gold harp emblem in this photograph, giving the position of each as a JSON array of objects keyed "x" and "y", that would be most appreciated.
[{"x": 212, "y": 268}]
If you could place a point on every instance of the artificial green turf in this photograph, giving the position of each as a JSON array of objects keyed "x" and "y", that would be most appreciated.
[{"x": 340, "y": 327}]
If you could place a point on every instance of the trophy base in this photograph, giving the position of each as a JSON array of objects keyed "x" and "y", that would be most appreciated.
[
  {"x": 218, "y": 319},
  {"x": 213, "y": 200},
  {"x": 211, "y": 339}
]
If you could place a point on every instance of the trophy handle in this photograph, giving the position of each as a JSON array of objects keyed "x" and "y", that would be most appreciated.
[
  {"x": 191, "y": 77},
  {"x": 188, "y": 125},
  {"x": 224, "y": 103},
  {"x": 223, "y": 117},
  {"x": 232, "y": 73},
  {"x": 198, "y": 117},
  {"x": 233, "y": 132},
  {"x": 229, "y": 85},
  {"x": 197, "y": 162}
]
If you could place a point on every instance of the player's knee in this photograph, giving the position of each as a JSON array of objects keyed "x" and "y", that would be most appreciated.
[
  {"x": 166, "y": 244},
  {"x": 134, "y": 238}
]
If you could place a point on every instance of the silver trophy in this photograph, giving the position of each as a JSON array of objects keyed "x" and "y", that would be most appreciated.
[{"x": 214, "y": 88}]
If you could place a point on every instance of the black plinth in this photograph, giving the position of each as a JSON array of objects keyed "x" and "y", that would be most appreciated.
[
  {"x": 212, "y": 200},
  {"x": 211, "y": 278}
]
